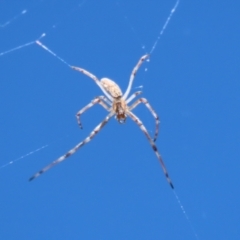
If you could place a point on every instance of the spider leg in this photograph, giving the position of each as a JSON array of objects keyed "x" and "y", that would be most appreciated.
[
  {"x": 94, "y": 78},
  {"x": 145, "y": 101},
  {"x": 100, "y": 100},
  {"x": 73, "y": 150},
  {"x": 133, "y": 74},
  {"x": 154, "y": 147},
  {"x": 133, "y": 96}
]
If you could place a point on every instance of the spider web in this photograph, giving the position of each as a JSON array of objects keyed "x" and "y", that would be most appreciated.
[
  {"x": 14, "y": 18},
  {"x": 39, "y": 40},
  {"x": 7, "y": 24}
]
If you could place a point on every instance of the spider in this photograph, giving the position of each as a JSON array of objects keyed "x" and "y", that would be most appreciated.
[{"x": 116, "y": 104}]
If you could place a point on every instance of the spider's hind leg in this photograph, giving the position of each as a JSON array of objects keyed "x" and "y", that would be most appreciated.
[{"x": 133, "y": 74}]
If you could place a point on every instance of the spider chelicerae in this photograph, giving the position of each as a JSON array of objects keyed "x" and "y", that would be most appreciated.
[{"x": 116, "y": 104}]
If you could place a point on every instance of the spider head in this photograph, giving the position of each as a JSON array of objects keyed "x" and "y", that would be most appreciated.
[
  {"x": 121, "y": 118},
  {"x": 119, "y": 107}
]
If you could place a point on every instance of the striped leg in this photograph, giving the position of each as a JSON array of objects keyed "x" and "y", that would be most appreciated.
[
  {"x": 133, "y": 96},
  {"x": 100, "y": 100},
  {"x": 73, "y": 150},
  {"x": 154, "y": 147},
  {"x": 94, "y": 78},
  {"x": 133, "y": 74},
  {"x": 145, "y": 101}
]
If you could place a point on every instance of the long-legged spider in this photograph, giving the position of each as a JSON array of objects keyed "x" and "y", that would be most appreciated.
[{"x": 116, "y": 104}]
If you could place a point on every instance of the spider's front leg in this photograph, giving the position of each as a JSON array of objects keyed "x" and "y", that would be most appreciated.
[
  {"x": 154, "y": 147},
  {"x": 73, "y": 150},
  {"x": 103, "y": 101},
  {"x": 149, "y": 107}
]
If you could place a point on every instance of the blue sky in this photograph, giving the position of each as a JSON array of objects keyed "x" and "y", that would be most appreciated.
[{"x": 114, "y": 187}]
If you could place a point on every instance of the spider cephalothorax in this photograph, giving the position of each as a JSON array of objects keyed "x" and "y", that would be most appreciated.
[
  {"x": 120, "y": 107},
  {"x": 116, "y": 104}
]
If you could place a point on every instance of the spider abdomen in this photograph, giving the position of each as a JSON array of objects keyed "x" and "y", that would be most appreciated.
[{"x": 111, "y": 87}]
